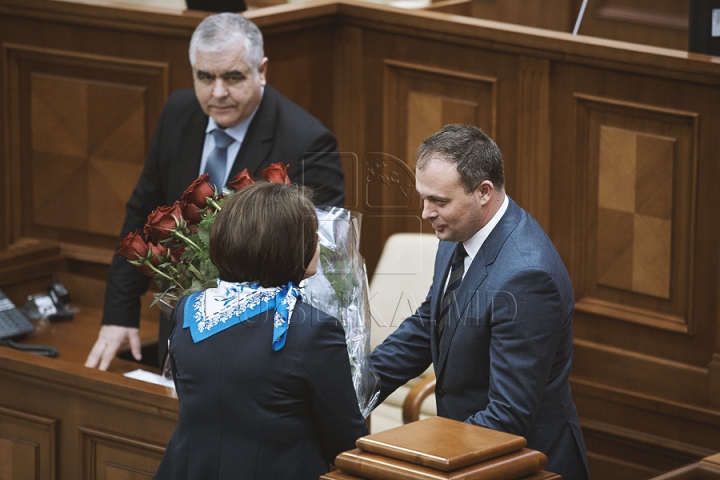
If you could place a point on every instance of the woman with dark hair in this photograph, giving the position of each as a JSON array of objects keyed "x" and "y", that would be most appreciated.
[{"x": 263, "y": 378}]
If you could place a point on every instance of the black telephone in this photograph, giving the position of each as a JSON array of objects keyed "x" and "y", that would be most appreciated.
[{"x": 12, "y": 322}]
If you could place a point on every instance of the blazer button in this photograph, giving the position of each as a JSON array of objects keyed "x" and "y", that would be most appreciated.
[{"x": 439, "y": 393}]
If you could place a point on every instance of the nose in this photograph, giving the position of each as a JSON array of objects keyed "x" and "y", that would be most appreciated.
[
  {"x": 219, "y": 88},
  {"x": 428, "y": 210}
]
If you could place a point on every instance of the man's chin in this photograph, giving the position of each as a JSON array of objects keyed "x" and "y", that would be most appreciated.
[
  {"x": 447, "y": 236},
  {"x": 225, "y": 121},
  {"x": 443, "y": 235}
]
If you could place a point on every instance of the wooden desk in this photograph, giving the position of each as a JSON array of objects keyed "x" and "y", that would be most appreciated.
[{"x": 60, "y": 420}]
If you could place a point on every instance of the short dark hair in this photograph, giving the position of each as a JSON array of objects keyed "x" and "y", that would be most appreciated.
[
  {"x": 475, "y": 155},
  {"x": 267, "y": 233}
]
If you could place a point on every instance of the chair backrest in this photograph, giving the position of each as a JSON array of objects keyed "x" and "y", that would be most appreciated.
[{"x": 401, "y": 281}]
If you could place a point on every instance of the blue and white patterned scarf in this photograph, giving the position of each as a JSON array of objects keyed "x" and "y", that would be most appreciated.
[{"x": 215, "y": 309}]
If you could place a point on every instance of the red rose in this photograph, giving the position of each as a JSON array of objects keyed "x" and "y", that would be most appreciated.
[
  {"x": 133, "y": 246},
  {"x": 162, "y": 220},
  {"x": 276, "y": 173},
  {"x": 199, "y": 191},
  {"x": 158, "y": 255},
  {"x": 242, "y": 179},
  {"x": 191, "y": 212}
]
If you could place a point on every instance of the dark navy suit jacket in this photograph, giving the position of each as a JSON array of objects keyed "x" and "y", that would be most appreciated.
[
  {"x": 248, "y": 412},
  {"x": 505, "y": 355},
  {"x": 281, "y": 131}
]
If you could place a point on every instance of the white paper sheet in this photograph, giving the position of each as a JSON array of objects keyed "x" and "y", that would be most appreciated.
[{"x": 146, "y": 376}]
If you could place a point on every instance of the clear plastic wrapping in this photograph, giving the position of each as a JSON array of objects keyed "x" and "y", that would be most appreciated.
[{"x": 340, "y": 288}]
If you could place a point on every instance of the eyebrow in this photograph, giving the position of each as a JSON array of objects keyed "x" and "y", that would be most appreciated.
[
  {"x": 434, "y": 198},
  {"x": 224, "y": 74}
]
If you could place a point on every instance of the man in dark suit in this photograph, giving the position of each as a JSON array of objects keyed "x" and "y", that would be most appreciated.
[
  {"x": 497, "y": 322},
  {"x": 251, "y": 124}
]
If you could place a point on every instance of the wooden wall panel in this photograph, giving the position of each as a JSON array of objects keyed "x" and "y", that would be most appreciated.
[
  {"x": 644, "y": 374},
  {"x": 109, "y": 456},
  {"x": 532, "y": 165},
  {"x": 348, "y": 109},
  {"x": 417, "y": 102},
  {"x": 637, "y": 216},
  {"x": 389, "y": 202},
  {"x": 28, "y": 446},
  {"x": 90, "y": 161},
  {"x": 84, "y": 122},
  {"x": 304, "y": 72},
  {"x": 627, "y": 436},
  {"x": 642, "y": 339}
]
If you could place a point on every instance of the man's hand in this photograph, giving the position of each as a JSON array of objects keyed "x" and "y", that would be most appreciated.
[{"x": 110, "y": 338}]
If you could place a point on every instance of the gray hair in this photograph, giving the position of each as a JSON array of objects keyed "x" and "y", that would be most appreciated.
[
  {"x": 221, "y": 31},
  {"x": 475, "y": 155}
]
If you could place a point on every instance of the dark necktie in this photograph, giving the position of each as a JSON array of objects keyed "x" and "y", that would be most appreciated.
[
  {"x": 456, "y": 275},
  {"x": 217, "y": 161}
]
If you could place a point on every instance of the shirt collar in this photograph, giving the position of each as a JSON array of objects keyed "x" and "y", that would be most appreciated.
[{"x": 472, "y": 246}]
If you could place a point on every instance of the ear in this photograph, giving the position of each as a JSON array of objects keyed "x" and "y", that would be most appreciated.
[
  {"x": 485, "y": 191},
  {"x": 262, "y": 71}
]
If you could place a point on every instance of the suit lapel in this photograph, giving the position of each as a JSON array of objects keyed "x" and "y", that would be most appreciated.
[
  {"x": 501, "y": 232},
  {"x": 475, "y": 276},
  {"x": 190, "y": 147},
  {"x": 258, "y": 139},
  {"x": 186, "y": 155}
]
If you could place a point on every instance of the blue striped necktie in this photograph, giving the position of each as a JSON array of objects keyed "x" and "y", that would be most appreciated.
[
  {"x": 217, "y": 160},
  {"x": 456, "y": 276}
]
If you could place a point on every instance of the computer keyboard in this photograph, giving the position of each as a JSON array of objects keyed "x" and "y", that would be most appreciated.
[{"x": 12, "y": 322}]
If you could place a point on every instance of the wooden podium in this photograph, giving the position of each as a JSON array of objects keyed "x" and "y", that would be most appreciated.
[{"x": 438, "y": 448}]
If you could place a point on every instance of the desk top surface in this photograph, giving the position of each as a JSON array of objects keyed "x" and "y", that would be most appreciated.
[{"x": 74, "y": 339}]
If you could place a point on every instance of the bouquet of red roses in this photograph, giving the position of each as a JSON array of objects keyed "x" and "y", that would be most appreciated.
[{"x": 173, "y": 248}]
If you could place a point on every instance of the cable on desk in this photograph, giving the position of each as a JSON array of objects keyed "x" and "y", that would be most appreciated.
[{"x": 43, "y": 350}]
